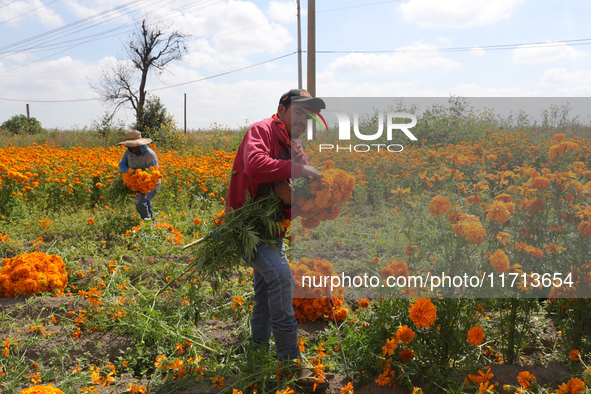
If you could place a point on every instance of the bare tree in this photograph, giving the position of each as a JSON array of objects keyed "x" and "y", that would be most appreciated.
[{"x": 150, "y": 49}]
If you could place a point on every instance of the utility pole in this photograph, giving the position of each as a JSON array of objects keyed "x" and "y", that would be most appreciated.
[
  {"x": 312, "y": 47},
  {"x": 185, "y": 114},
  {"x": 299, "y": 47}
]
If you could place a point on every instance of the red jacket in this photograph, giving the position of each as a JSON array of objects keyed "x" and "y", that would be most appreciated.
[{"x": 264, "y": 156}]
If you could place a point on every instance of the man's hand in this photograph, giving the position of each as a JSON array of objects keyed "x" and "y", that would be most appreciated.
[
  {"x": 310, "y": 171},
  {"x": 285, "y": 192}
]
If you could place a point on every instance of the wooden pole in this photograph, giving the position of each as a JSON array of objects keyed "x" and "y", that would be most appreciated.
[
  {"x": 28, "y": 112},
  {"x": 299, "y": 47},
  {"x": 185, "y": 114},
  {"x": 312, "y": 47}
]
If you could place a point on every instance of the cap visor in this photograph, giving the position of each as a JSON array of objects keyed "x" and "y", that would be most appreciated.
[{"x": 315, "y": 103}]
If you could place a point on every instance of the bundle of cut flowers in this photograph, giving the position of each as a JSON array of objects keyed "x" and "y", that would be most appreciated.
[
  {"x": 32, "y": 273},
  {"x": 236, "y": 235},
  {"x": 142, "y": 181},
  {"x": 320, "y": 199}
]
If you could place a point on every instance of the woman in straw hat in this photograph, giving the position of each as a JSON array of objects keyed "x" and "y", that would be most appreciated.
[{"x": 137, "y": 156}]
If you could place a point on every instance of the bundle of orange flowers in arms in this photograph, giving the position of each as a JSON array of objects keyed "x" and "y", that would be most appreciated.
[
  {"x": 142, "y": 180},
  {"x": 325, "y": 195},
  {"x": 32, "y": 273}
]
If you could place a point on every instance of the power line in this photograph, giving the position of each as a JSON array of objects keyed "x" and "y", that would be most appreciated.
[
  {"x": 577, "y": 42},
  {"x": 44, "y": 42},
  {"x": 162, "y": 88},
  {"x": 224, "y": 73},
  {"x": 28, "y": 12},
  {"x": 49, "y": 101},
  {"x": 45, "y": 35},
  {"x": 9, "y": 3}
]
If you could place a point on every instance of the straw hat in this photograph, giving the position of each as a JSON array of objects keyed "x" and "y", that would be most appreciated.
[{"x": 134, "y": 138}]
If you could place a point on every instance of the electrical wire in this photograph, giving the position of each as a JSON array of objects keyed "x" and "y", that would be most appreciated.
[
  {"x": 28, "y": 12},
  {"x": 7, "y": 4},
  {"x": 577, "y": 42},
  {"x": 162, "y": 88}
]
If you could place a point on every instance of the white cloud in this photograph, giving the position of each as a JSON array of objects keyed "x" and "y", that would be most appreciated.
[
  {"x": 457, "y": 13},
  {"x": 477, "y": 51},
  {"x": 561, "y": 77},
  {"x": 447, "y": 41},
  {"x": 19, "y": 13},
  {"x": 236, "y": 28},
  {"x": 286, "y": 12},
  {"x": 84, "y": 9},
  {"x": 32, "y": 83},
  {"x": 475, "y": 90},
  {"x": 403, "y": 60},
  {"x": 334, "y": 85},
  {"x": 547, "y": 52}
]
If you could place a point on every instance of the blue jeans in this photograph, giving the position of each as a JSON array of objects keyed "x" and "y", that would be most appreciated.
[
  {"x": 273, "y": 297},
  {"x": 143, "y": 203}
]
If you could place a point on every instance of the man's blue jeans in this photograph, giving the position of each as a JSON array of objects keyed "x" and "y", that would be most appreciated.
[
  {"x": 143, "y": 203},
  {"x": 273, "y": 297}
]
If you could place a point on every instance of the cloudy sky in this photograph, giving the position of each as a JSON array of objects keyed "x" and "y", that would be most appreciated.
[{"x": 242, "y": 54}]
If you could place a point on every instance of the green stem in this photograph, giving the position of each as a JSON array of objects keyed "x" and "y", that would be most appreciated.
[{"x": 511, "y": 354}]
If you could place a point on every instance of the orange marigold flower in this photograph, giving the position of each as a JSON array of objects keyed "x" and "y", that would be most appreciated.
[
  {"x": 389, "y": 347},
  {"x": 503, "y": 238},
  {"x": 237, "y": 303},
  {"x": 473, "y": 231},
  {"x": 218, "y": 381},
  {"x": 575, "y": 355},
  {"x": 439, "y": 205},
  {"x": 383, "y": 379},
  {"x": 364, "y": 302},
  {"x": 404, "y": 334},
  {"x": 504, "y": 198},
  {"x": 585, "y": 228},
  {"x": 526, "y": 379},
  {"x": 540, "y": 182},
  {"x": 42, "y": 389},
  {"x": 406, "y": 355},
  {"x": 467, "y": 226},
  {"x": 498, "y": 211},
  {"x": 422, "y": 312},
  {"x": 348, "y": 389},
  {"x": 476, "y": 335},
  {"x": 90, "y": 221},
  {"x": 559, "y": 136},
  {"x": 575, "y": 386},
  {"x": 197, "y": 221},
  {"x": 500, "y": 261},
  {"x": 395, "y": 268}
]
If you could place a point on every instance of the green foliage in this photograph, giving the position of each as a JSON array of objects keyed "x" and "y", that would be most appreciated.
[
  {"x": 107, "y": 129},
  {"x": 20, "y": 124},
  {"x": 156, "y": 123},
  {"x": 237, "y": 235}
]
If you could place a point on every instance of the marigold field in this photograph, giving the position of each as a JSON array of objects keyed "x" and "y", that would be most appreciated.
[{"x": 83, "y": 310}]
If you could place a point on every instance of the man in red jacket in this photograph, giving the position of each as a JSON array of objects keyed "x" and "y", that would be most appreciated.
[{"x": 269, "y": 155}]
